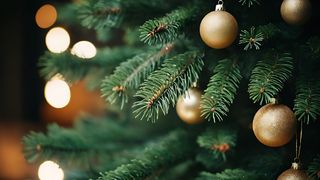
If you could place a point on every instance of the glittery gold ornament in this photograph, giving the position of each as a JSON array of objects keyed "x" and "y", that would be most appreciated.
[
  {"x": 274, "y": 125},
  {"x": 188, "y": 107},
  {"x": 294, "y": 173},
  {"x": 218, "y": 29},
  {"x": 295, "y": 12}
]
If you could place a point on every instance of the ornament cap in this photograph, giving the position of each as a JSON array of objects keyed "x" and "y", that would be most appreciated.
[
  {"x": 295, "y": 165},
  {"x": 194, "y": 84},
  {"x": 273, "y": 101},
  {"x": 219, "y": 6}
]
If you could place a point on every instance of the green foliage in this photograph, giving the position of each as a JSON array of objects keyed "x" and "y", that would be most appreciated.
[
  {"x": 104, "y": 14},
  {"x": 251, "y": 38},
  {"x": 210, "y": 160},
  {"x": 255, "y": 36},
  {"x": 166, "y": 29},
  {"x": 104, "y": 34},
  {"x": 89, "y": 139},
  {"x": 178, "y": 171},
  {"x": 164, "y": 86},
  {"x": 117, "y": 146},
  {"x": 221, "y": 90},
  {"x": 100, "y": 14},
  {"x": 268, "y": 30},
  {"x": 307, "y": 101},
  {"x": 66, "y": 13},
  {"x": 73, "y": 68},
  {"x": 156, "y": 156},
  {"x": 314, "y": 45},
  {"x": 314, "y": 168},
  {"x": 267, "y": 164},
  {"x": 131, "y": 36},
  {"x": 249, "y": 3},
  {"x": 229, "y": 174},
  {"x": 128, "y": 75},
  {"x": 218, "y": 141},
  {"x": 269, "y": 76}
]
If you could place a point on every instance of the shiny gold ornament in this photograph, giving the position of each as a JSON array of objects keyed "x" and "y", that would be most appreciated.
[
  {"x": 294, "y": 173},
  {"x": 295, "y": 12},
  {"x": 274, "y": 125},
  {"x": 218, "y": 29},
  {"x": 188, "y": 107}
]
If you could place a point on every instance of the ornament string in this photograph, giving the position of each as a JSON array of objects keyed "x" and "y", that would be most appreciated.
[{"x": 298, "y": 143}]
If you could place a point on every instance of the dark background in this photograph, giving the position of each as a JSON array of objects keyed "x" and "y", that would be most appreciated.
[
  {"x": 22, "y": 42},
  {"x": 20, "y": 48},
  {"x": 21, "y": 88}
]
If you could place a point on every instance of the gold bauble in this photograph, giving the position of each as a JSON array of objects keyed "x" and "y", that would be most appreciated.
[
  {"x": 188, "y": 107},
  {"x": 294, "y": 173},
  {"x": 295, "y": 12},
  {"x": 274, "y": 125},
  {"x": 218, "y": 29}
]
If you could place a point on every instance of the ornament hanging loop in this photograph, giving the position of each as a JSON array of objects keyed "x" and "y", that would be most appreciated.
[{"x": 219, "y": 6}]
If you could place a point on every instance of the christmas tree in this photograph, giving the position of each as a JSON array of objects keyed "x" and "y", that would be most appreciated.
[{"x": 195, "y": 90}]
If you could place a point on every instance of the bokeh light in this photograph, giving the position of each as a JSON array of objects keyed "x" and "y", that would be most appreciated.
[
  {"x": 49, "y": 170},
  {"x": 57, "y": 40},
  {"x": 46, "y": 16},
  {"x": 57, "y": 92},
  {"x": 84, "y": 49}
]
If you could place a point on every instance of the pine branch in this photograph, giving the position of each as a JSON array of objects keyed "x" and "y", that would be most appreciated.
[
  {"x": 130, "y": 74},
  {"x": 268, "y": 77},
  {"x": 104, "y": 14},
  {"x": 89, "y": 139},
  {"x": 229, "y": 174},
  {"x": 39, "y": 147},
  {"x": 221, "y": 90},
  {"x": 166, "y": 29},
  {"x": 307, "y": 101},
  {"x": 164, "y": 86},
  {"x": 314, "y": 168},
  {"x": 255, "y": 36},
  {"x": 175, "y": 147},
  {"x": 73, "y": 68},
  {"x": 251, "y": 38},
  {"x": 218, "y": 141},
  {"x": 100, "y": 14},
  {"x": 249, "y": 3}
]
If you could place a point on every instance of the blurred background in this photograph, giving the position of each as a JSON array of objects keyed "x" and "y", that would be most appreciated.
[{"x": 23, "y": 106}]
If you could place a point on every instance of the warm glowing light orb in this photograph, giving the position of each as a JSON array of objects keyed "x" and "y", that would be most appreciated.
[
  {"x": 49, "y": 170},
  {"x": 84, "y": 49},
  {"x": 46, "y": 16},
  {"x": 57, "y": 40},
  {"x": 57, "y": 93}
]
